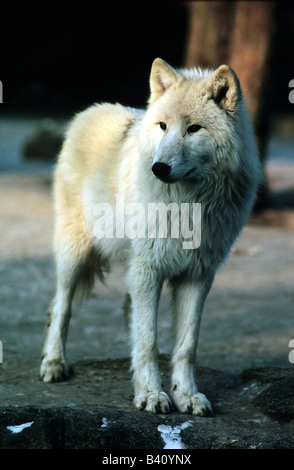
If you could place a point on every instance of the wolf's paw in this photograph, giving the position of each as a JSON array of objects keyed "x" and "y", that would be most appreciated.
[
  {"x": 156, "y": 402},
  {"x": 56, "y": 370},
  {"x": 196, "y": 404}
]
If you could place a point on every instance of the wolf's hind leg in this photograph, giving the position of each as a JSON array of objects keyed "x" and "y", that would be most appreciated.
[
  {"x": 71, "y": 262},
  {"x": 54, "y": 367}
]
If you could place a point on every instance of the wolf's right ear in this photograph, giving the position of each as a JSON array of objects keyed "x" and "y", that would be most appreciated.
[{"x": 161, "y": 78}]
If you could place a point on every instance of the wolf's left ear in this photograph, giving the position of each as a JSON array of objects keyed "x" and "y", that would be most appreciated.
[
  {"x": 225, "y": 88},
  {"x": 161, "y": 78}
]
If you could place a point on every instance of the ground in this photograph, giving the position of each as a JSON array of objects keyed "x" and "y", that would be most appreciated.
[{"x": 243, "y": 353}]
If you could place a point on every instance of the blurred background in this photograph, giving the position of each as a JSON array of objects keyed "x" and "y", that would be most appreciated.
[{"x": 57, "y": 59}]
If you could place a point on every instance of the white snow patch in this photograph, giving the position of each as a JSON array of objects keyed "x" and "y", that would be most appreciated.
[
  {"x": 105, "y": 422},
  {"x": 19, "y": 428},
  {"x": 171, "y": 436}
]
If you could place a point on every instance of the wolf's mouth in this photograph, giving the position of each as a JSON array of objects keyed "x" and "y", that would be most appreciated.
[
  {"x": 189, "y": 173},
  {"x": 168, "y": 180}
]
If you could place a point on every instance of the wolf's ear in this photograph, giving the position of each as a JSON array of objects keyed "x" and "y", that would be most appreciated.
[
  {"x": 225, "y": 88},
  {"x": 161, "y": 78}
]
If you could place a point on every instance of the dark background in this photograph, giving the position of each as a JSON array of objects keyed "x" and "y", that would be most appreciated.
[
  {"x": 60, "y": 58},
  {"x": 63, "y": 59}
]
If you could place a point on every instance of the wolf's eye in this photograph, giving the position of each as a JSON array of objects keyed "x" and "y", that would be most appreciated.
[
  {"x": 194, "y": 128},
  {"x": 162, "y": 125}
]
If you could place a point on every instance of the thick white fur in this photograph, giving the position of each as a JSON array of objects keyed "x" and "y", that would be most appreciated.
[{"x": 108, "y": 156}]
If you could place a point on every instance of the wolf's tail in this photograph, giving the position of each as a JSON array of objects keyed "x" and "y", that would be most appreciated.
[
  {"x": 86, "y": 281},
  {"x": 84, "y": 287}
]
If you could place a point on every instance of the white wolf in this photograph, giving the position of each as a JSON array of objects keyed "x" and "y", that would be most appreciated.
[{"x": 193, "y": 144}]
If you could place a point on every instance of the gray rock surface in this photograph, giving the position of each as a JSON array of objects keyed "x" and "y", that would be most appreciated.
[{"x": 93, "y": 410}]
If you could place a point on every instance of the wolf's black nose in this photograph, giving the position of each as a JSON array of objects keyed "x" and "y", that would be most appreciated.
[{"x": 161, "y": 170}]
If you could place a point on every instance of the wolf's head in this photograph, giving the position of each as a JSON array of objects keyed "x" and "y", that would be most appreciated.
[{"x": 196, "y": 123}]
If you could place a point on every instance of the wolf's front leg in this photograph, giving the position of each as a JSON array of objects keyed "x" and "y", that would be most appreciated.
[
  {"x": 144, "y": 288},
  {"x": 188, "y": 299}
]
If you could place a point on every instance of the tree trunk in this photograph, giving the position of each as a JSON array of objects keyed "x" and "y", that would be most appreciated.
[
  {"x": 208, "y": 38},
  {"x": 249, "y": 57}
]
